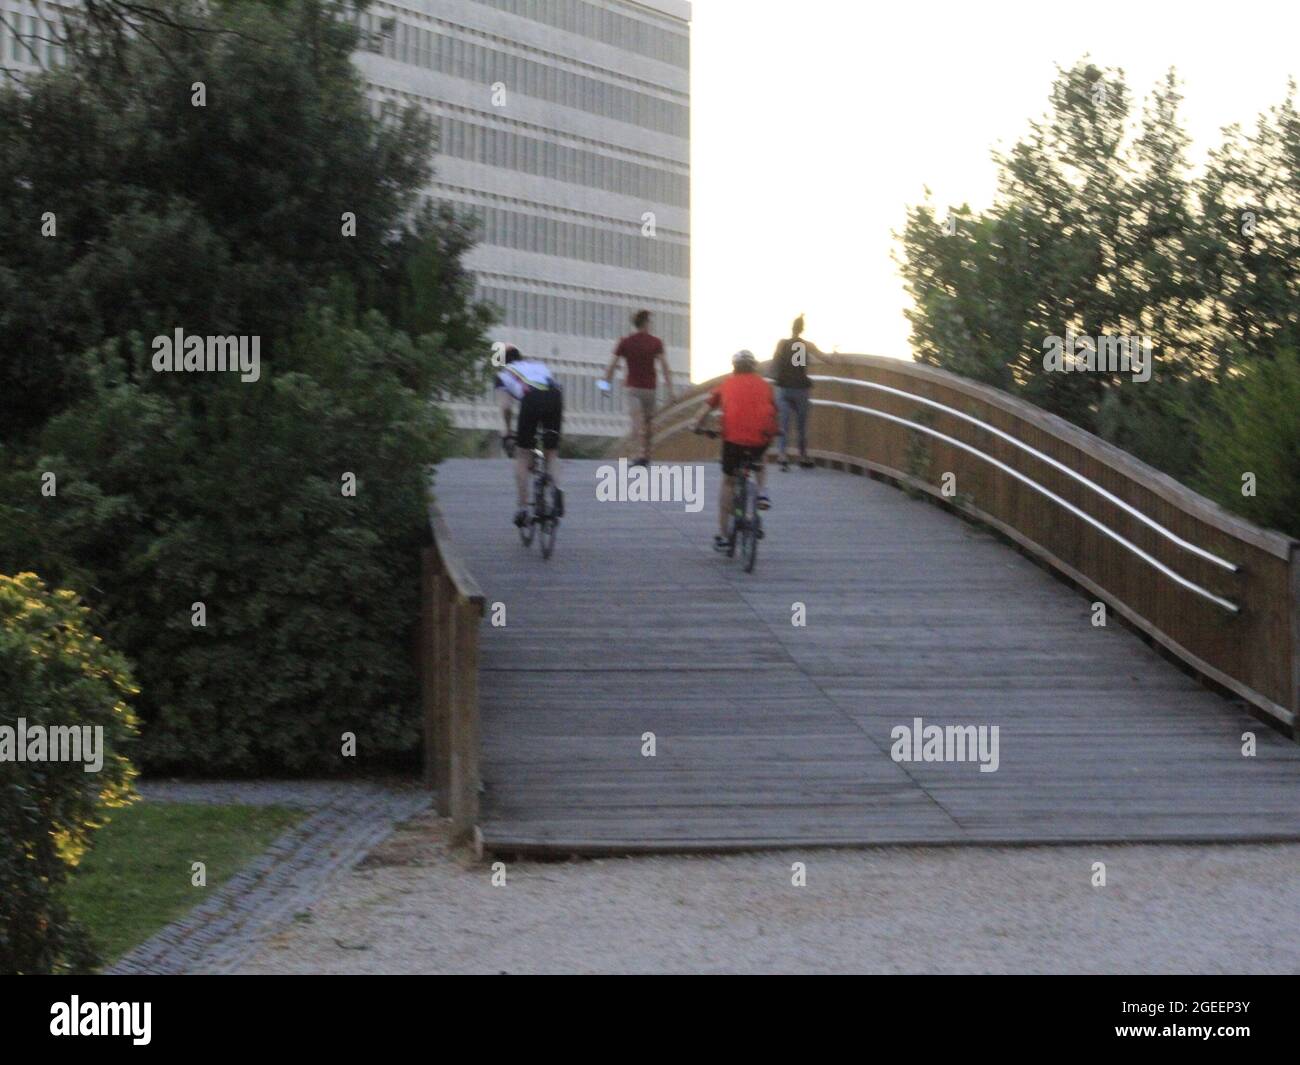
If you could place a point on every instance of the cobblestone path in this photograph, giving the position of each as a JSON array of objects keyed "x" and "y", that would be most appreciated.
[{"x": 346, "y": 820}]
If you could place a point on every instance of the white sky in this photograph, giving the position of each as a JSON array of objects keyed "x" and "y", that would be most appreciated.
[{"x": 815, "y": 123}]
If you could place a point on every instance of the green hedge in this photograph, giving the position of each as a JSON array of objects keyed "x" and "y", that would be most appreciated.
[
  {"x": 1254, "y": 428},
  {"x": 54, "y": 674},
  {"x": 148, "y": 491},
  {"x": 237, "y": 498}
]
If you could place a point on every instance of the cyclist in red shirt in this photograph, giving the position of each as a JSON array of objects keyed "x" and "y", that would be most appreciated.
[{"x": 748, "y": 426}]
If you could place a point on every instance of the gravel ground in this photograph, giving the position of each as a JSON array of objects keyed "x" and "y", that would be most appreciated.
[{"x": 412, "y": 907}]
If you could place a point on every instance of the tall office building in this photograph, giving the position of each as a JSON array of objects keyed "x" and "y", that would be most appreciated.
[
  {"x": 564, "y": 125},
  {"x": 29, "y": 34}
]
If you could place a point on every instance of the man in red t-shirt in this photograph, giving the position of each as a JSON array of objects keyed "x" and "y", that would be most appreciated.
[
  {"x": 641, "y": 351},
  {"x": 748, "y": 426}
]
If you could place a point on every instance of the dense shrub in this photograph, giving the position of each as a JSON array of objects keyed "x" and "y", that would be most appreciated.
[
  {"x": 1255, "y": 429},
  {"x": 308, "y": 593},
  {"x": 53, "y": 674},
  {"x": 281, "y": 194}
]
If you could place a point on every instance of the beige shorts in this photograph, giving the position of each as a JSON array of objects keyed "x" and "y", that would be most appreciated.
[{"x": 645, "y": 397}]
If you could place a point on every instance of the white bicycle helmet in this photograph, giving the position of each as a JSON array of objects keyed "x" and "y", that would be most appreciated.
[{"x": 744, "y": 356}]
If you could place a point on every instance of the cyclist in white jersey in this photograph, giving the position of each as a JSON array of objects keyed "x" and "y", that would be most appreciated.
[{"x": 541, "y": 406}]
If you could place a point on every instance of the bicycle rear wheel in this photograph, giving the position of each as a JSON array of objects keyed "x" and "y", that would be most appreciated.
[
  {"x": 529, "y": 528},
  {"x": 749, "y": 534},
  {"x": 547, "y": 522}
]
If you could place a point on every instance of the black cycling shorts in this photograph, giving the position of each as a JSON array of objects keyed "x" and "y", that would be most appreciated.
[
  {"x": 542, "y": 407},
  {"x": 736, "y": 455}
]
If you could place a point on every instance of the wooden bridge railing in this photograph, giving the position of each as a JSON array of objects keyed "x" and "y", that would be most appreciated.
[
  {"x": 1218, "y": 592},
  {"x": 451, "y": 609}
]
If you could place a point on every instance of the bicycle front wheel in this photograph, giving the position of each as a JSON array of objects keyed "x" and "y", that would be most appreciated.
[{"x": 547, "y": 522}]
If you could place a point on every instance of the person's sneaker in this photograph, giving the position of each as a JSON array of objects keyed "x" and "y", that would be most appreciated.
[
  {"x": 721, "y": 543},
  {"x": 785, "y": 465},
  {"x": 521, "y": 517},
  {"x": 764, "y": 503},
  {"x": 559, "y": 503}
]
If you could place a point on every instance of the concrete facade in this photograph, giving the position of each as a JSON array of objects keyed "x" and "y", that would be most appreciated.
[
  {"x": 564, "y": 126},
  {"x": 28, "y": 35}
]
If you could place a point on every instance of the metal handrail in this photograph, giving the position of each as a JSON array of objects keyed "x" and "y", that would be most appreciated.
[
  {"x": 1151, "y": 560},
  {"x": 1168, "y": 534}
]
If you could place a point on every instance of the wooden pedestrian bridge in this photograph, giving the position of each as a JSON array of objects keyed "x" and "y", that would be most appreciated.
[{"x": 639, "y": 692}]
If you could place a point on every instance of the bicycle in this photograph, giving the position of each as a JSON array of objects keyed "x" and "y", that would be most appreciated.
[
  {"x": 544, "y": 520},
  {"x": 746, "y": 523}
]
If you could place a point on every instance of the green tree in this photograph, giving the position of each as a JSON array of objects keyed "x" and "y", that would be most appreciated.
[
  {"x": 1100, "y": 229},
  {"x": 1159, "y": 296},
  {"x": 1250, "y": 244},
  {"x": 180, "y": 488},
  {"x": 1040, "y": 262},
  {"x": 226, "y": 218}
]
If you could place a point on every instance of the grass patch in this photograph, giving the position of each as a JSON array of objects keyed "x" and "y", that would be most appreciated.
[{"x": 136, "y": 877}]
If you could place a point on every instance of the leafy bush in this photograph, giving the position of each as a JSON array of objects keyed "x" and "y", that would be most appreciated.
[
  {"x": 280, "y": 195},
  {"x": 236, "y": 513},
  {"x": 53, "y": 674},
  {"x": 1255, "y": 428}
]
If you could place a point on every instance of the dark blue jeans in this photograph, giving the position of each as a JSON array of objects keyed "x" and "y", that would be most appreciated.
[{"x": 793, "y": 401}]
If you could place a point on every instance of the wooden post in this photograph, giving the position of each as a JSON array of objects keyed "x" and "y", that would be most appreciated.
[
  {"x": 1295, "y": 642},
  {"x": 464, "y": 723},
  {"x": 428, "y": 662},
  {"x": 444, "y": 650},
  {"x": 452, "y": 607}
]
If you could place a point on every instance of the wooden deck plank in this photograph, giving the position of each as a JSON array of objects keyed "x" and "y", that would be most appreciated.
[{"x": 770, "y": 734}]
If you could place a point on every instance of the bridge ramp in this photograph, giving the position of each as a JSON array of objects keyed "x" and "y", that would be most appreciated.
[{"x": 772, "y": 734}]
